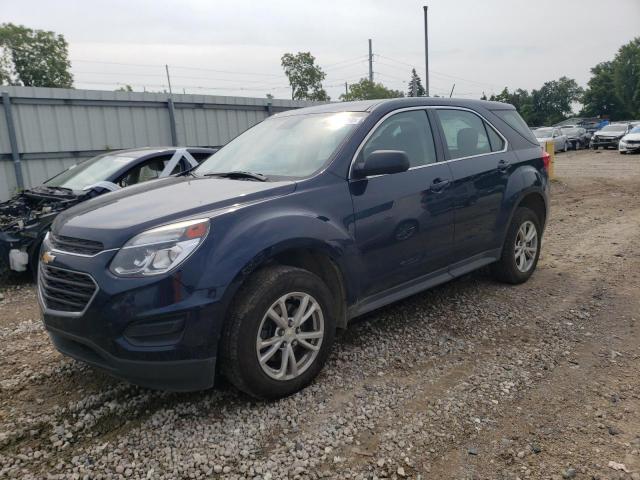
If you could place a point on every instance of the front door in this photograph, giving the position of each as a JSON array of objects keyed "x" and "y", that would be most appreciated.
[{"x": 403, "y": 221}]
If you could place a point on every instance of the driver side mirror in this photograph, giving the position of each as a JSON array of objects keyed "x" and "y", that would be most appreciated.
[{"x": 381, "y": 162}]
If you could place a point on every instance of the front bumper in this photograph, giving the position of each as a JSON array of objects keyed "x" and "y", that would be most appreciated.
[
  {"x": 605, "y": 142},
  {"x": 176, "y": 375},
  {"x": 159, "y": 333},
  {"x": 629, "y": 147}
]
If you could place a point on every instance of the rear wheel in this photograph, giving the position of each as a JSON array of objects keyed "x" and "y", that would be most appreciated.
[
  {"x": 279, "y": 332},
  {"x": 521, "y": 248}
]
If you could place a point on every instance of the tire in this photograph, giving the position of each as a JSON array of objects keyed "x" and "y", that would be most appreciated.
[
  {"x": 595, "y": 148},
  {"x": 249, "y": 320},
  {"x": 566, "y": 147},
  {"x": 5, "y": 273},
  {"x": 507, "y": 268}
]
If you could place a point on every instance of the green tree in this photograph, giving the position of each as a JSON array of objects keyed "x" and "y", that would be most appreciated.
[
  {"x": 626, "y": 76},
  {"x": 368, "y": 90},
  {"x": 552, "y": 103},
  {"x": 124, "y": 88},
  {"x": 305, "y": 77},
  {"x": 415, "y": 85},
  {"x": 600, "y": 98},
  {"x": 519, "y": 98},
  {"x": 33, "y": 58}
]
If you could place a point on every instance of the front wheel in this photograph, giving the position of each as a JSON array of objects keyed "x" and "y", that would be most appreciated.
[
  {"x": 279, "y": 332},
  {"x": 521, "y": 248},
  {"x": 5, "y": 273}
]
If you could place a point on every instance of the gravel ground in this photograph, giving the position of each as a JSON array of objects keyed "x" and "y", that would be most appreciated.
[{"x": 471, "y": 380}]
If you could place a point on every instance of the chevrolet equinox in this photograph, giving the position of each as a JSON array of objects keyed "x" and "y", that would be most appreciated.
[{"x": 248, "y": 264}]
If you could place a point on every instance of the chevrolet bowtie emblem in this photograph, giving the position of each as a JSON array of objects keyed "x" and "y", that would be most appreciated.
[{"x": 47, "y": 257}]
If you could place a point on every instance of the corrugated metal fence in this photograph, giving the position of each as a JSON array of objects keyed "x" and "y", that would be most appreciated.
[{"x": 54, "y": 128}]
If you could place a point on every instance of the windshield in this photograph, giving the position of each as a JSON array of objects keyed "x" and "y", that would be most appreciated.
[
  {"x": 543, "y": 132},
  {"x": 87, "y": 173},
  {"x": 635, "y": 130},
  {"x": 290, "y": 146},
  {"x": 619, "y": 127}
]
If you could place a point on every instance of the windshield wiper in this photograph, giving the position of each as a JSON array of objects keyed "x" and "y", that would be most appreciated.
[
  {"x": 239, "y": 174},
  {"x": 64, "y": 189},
  {"x": 187, "y": 171}
]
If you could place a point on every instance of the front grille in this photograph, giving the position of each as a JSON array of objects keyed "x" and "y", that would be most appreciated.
[
  {"x": 75, "y": 245},
  {"x": 64, "y": 290}
]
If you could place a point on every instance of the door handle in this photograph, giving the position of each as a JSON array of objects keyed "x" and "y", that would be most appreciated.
[
  {"x": 439, "y": 184},
  {"x": 503, "y": 165}
]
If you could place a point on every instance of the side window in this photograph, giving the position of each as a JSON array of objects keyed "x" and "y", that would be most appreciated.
[
  {"x": 464, "y": 133},
  {"x": 406, "y": 131},
  {"x": 200, "y": 156},
  {"x": 496, "y": 141},
  {"x": 145, "y": 171},
  {"x": 180, "y": 167}
]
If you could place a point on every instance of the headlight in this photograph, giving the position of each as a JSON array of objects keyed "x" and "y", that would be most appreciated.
[{"x": 159, "y": 250}]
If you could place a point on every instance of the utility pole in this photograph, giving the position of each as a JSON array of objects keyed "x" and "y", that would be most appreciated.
[
  {"x": 451, "y": 94},
  {"x": 426, "y": 51},
  {"x": 166, "y": 67},
  {"x": 346, "y": 88},
  {"x": 370, "y": 62}
]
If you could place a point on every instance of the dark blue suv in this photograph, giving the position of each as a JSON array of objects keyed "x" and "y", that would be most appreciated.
[{"x": 248, "y": 264}]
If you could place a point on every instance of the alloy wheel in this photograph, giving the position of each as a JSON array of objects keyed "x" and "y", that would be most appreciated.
[
  {"x": 290, "y": 336},
  {"x": 526, "y": 246}
]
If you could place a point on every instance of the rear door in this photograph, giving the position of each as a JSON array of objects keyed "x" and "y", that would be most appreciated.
[
  {"x": 480, "y": 163},
  {"x": 403, "y": 221}
]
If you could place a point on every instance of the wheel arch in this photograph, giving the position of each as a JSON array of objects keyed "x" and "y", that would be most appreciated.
[{"x": 288, "y": 237}]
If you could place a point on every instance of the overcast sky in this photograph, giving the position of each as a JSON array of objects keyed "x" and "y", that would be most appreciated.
[{"x": 478, "y": 45}]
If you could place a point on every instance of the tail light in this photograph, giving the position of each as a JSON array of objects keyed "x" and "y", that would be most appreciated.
[{"x": 546, "y": 160}]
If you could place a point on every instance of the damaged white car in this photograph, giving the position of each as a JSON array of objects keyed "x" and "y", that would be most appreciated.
[{"x": 25, "y": 219}]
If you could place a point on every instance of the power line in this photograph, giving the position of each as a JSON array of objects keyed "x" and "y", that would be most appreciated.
[
  {"x": 153, "y": 75},
  {"x": 198, "y": 87},
  {"x": 183, "y": 67},
  {"x": 455, "y": 77},
  {"x": 359, "y": 59}
]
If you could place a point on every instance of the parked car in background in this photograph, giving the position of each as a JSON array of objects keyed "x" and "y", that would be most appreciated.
[
  {"x": 609, "y": 135},
  {"x": 26, "y": 218},
  {"x": 552, "y": 134},
  {"x": 249, "y": 263},
  {"x": 576, "y": 136},
  {"x": 630, "y": 143}
]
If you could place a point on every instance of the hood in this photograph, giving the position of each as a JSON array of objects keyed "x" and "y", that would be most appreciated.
[
  {"x": 631, "y": 136},
  {"x": 571, "y": 132},
  {"x": 600, "y": 133},
  {"x": 115, "y": 217}
]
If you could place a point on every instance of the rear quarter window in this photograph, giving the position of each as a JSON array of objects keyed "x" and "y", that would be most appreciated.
[{"x": 515, "y": 121}]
